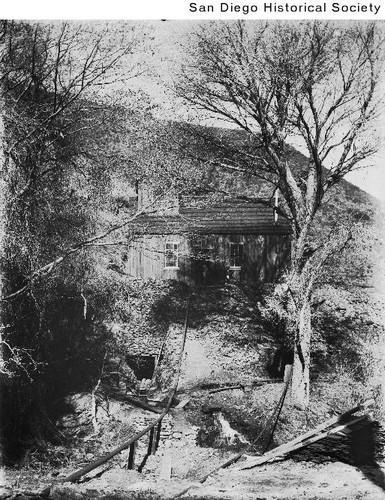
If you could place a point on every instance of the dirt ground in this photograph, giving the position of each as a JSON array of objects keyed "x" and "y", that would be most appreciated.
[
  {"x": 181, "y": 462},
  {"x": 281, "y": 480}
]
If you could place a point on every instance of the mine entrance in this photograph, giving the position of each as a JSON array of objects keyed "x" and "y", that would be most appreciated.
[{"x": 142, "y": 366}]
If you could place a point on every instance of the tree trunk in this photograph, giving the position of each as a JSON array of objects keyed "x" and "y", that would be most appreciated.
[
  {"x": 3, "y": 191},
  {"x": 301, "y": 365},
  {"x": 3, "y": 186}
]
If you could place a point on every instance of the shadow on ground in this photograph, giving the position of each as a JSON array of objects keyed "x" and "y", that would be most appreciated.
[{"x": 366, "y": 443}]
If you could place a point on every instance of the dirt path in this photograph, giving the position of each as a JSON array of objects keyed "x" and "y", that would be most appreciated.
[
  {"x": 291, "y": 480},
  {"x": 284, "y": 480},
  {"x": 197, "y": 363}
]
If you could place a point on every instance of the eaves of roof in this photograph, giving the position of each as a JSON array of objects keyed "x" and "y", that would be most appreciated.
[{"x": 232, "y": 217}]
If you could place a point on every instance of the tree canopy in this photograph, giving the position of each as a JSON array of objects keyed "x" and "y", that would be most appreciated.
[{"x": 314, "y": 82}]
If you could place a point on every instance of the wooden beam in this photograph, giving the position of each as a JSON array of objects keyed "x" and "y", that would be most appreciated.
[
  {"x": 287, "y": 380},
  {"x": 142, "y": 404},
  {"x": 166, "y": 465},
  {"x": 150, "y": 441},
  {"x": 321, "y": 427},
  {"x": 252, "y": 383},
  {"x": 157, "y": 436},
  {"x": 297, "y": 444},
  {"x": 182, "y": 404}
]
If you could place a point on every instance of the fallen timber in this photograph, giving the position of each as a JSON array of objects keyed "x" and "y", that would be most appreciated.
[
  {"x": 333, "y": 426},
  {"x": 153, "y": 428},
  {"x": 218, "y": 386},
  {"x": 154, "y": 408},
  {"x": 322, "y": 431},
  {"x": 242, "y": 386},
  {"x": 276, "y": 412},
  {"x": 142, "y": 404}
]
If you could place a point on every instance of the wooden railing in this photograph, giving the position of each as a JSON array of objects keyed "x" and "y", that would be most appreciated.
[{"x": 154, "y": 428}]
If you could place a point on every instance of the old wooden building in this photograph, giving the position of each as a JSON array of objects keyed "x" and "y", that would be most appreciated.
[{"x": 210, "y": 242}]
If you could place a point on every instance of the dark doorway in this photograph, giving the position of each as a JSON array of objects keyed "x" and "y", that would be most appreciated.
[{"x": 142, "y": 366}]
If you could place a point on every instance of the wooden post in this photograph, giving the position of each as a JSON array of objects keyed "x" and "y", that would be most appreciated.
[
  {"x": 166, "y": 463},
  {"x": 131, "y": 456},
  {"x": 154, "y": 440},
  {"x": 150, "y": 441},
  {"x": 287, "y": 374},
  {"x": 159, "y": 428},
  {"x": 286, "y": 380}
]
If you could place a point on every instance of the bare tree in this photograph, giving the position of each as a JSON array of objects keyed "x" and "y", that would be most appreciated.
[
  {"x": 315, "y": 82},
  {"x": 52, "y": 75},
  {"x": 53, "y": 88},
  {"x": 47, "y": 72}
]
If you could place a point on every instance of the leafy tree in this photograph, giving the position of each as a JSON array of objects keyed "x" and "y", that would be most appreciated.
[
  {"x": 55, "y": 175},
  {"x": 71, "y": 154},
  {"x": 316, "y": 82}
]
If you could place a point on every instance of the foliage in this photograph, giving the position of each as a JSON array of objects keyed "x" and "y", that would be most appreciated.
[
  {"x": 311, "y": 82},
  {"x": 54, "y": 184},
  {"x": 72, "y": 154}
]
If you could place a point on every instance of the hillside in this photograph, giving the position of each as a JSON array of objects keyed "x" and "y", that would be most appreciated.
[
  {"x": 230, "y": 341},
  {"x": 90, "y": 317},
  {"x": 152, "y": 327},
  {"x": 226, "y": 154}
]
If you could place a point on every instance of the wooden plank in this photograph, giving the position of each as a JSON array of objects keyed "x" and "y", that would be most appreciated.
[
  {"x": 157, "y": 436},
  {"x": 321, "y": 427},
  {"x": 285, "y": 449},
  {"x": 182, "y": 404},
  {"x": 142, "y": 404},
  {"x": 227, "y": 388},
  {"x": 255, "y": 382},
  {"x": 166, "y": 465}
]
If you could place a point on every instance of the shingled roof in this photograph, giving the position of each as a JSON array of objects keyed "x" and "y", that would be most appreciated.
[{"x": 228, "y": 216}]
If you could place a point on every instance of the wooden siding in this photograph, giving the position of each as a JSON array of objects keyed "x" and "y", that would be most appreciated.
[
  {"x": 263, "y": 257},
  {"x": 147, "y": 257}
]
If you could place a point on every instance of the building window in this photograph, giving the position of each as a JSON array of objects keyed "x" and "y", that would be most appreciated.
[
  {"x": 171, "y": 255},
  {"x": 236, "y": 254},
  {"x": 202, "y": 250}
]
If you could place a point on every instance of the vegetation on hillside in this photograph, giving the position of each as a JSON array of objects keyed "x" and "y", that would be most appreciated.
[
  {"x": 72, "y": 158},
  {"x": 310, "y": 81}
]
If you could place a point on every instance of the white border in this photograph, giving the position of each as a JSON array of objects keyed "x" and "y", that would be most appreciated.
[{"x": 180, "y": 9}]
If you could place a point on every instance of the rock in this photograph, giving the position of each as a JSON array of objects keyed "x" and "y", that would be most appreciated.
[{"x": 65, "y": 493}]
